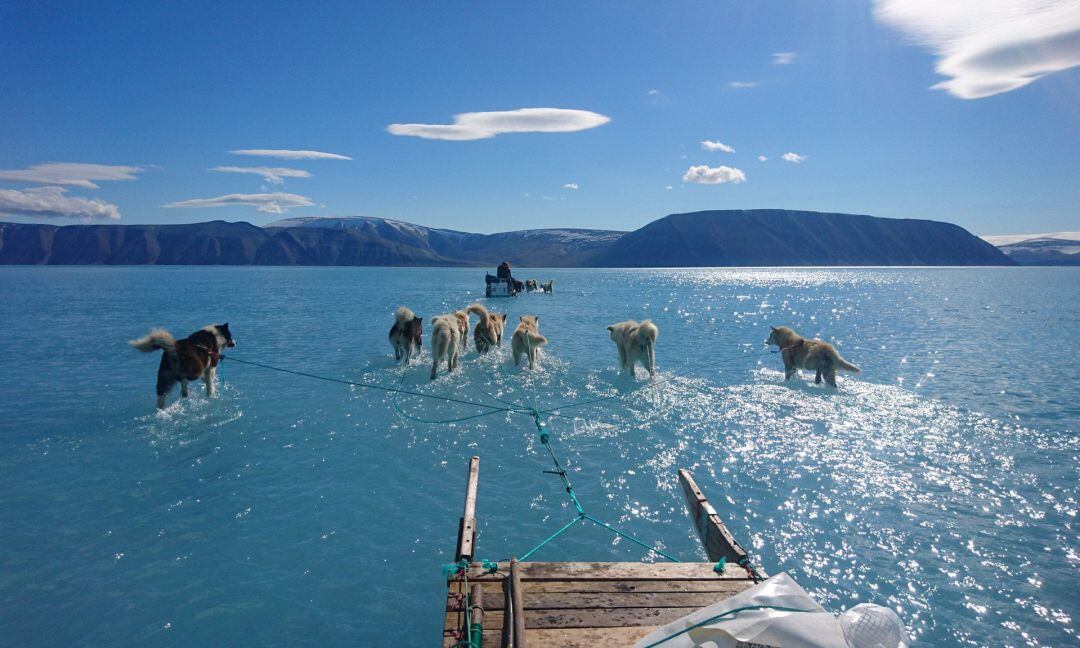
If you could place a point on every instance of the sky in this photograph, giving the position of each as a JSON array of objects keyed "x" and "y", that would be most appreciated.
[{"x": 499, "y": 116}]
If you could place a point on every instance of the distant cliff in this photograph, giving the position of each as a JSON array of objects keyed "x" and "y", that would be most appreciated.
[
  {"x": 774, "y": 237},
  {"x": 714, "y": 238}
]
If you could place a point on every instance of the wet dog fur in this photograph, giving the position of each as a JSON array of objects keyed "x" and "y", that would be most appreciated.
[
  {"x": 445, "y": 342},
  {"x": 489, "y": 330},
  {"x": 798, "y": 352},
  {"x": 548, "y": 286},
  {"x": 636, "y": 343},
  {"x": 406, "y": 334},
  {"x": 185, "y": 360},
  {"x": 527, "y": 339}
]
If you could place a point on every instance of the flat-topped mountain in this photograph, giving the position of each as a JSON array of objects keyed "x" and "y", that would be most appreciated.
[{"x": 762, "y": 237}]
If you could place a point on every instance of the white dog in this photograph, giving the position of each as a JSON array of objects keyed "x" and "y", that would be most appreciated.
[
  {"x": 527, "y": 339},
  {"x": 636, "y": 344},
  {"x": 445, "y": 342}
]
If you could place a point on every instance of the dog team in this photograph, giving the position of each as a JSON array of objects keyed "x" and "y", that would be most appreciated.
[{"x": 197, "y": 355}]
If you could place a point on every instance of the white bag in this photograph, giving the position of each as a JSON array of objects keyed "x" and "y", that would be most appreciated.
[{"x": 758, "y": 617}]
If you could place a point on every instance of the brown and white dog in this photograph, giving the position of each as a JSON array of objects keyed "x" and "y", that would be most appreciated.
[
  {"x": 636, "y": 343},
  {"x": 187, "y": 359},
  {"x": 489, "y": 330},
  {"x": 445, "y": 342},
  {"x": 802, "y": 353},
  {"x": 406, "y": 334},
  {"x": 527, "y": 339}
]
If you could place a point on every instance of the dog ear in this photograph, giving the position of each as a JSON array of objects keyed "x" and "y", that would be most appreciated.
[
  {"x": 611, "y": 328},
  {"x": 773, "y": 328},
  {"x": 521, "y": 318}
]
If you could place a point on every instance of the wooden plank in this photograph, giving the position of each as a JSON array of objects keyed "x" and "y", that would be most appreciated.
[
  {"x": 715, "y": 537},
  {"x": 569, "y": 637},
  {"x": 608, "y": 600},
  {"x": 517, "y": 607},
  {"x": 467, "y": 525},
  {"x": 625, "y": 586},
  {"x": 587, "y": 618},
  {"x": 506, "y": 639},
  {"x": 477, "y": 614},
  {"x": 532, "y": 571},
  {"x": 588, "y": 637}
]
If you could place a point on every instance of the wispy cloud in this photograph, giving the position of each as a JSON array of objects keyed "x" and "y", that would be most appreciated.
[
  {"x": 653, "y": 93},
  {"x": 784, "y": 58},
  {"x": 739, "y": 85},
  {"x": 762, "y": 158},
  {"x": 987, "y": 47},
  {"x": 482, "y": 125},
  {"x": 794, "y": 158},
  {"x": 714, "y": 175},
  {"x": 289, "y": 154},
  {"x": 716, "y": 145},
  {"x": 72, "y": 174},
  {"x": 269, "y": 203},
  {"x": 51, "y": 202},
  {"x": 570, "y": 185},
  {"x": 273, "y": 175}
]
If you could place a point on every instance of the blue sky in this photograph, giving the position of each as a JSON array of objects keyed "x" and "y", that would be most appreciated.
[{"x": 166, "y": 91}]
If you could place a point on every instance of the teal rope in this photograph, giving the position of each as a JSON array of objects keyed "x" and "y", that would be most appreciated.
[
  {"x": 217, "y": 392},
  {"x": 720, "y": 617},
  {"x": 552, "y": 537}
]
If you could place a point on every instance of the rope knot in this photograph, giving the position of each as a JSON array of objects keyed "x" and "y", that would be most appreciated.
[{"x": 490, "y": 566}]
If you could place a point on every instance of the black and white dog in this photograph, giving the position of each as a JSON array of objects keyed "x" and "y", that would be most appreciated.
[{"x": 185, "y": 360}]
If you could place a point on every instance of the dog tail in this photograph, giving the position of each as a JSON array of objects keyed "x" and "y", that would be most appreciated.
[
  {"x": 157, "y": 339},
  {"x": 536, "y": 339},
  {"x": 403, "y": 315},
  {"x": 478, "y": 310},
  {"x": 844, "y": 364}
]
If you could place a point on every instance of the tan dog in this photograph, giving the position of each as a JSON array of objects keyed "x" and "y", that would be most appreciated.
[
  {"x": 527, "y": 339},
  {"x": 636, "y": 343},
  {"x": 463, "y": 328},
  {"x": 815, "y": 355},
  {"x": 489, "y": 330},
  {"x": 445, "y": 342}
]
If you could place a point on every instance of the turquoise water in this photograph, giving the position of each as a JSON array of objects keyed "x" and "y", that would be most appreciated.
[{"x": 943, "y": 481}]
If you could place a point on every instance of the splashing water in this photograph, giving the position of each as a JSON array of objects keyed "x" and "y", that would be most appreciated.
[{"x": 942, "y": 482}]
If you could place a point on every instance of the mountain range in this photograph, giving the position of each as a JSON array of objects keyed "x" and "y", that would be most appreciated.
[
  {"x": 1061, "y": 248},
  {"x": 757, "y": 237}
]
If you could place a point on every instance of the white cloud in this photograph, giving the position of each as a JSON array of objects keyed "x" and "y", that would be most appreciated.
[
  {"x": 273, "y": 175},
  {"x": 72, "y": 174},
  {"x": 269, "y": 203},
  {"x": 744, "y": 84},
  {"x": 987, "y": 47},
  {"x": 482, "y": 125},
  {"x": 794, "y": 158},
  {"x": 668, "y": 188},
  {"x": 784, "y": 58},
  {"x": 653, "y": 93},
  {"x": 714, "y": 175},
  {"x": 288, "y": 154},
  {"x": 570, "y": 185},
  {"x": 716, "y": 146},
  {"x": 762, "y": 158},
  {"x": 50, "y": 202}
]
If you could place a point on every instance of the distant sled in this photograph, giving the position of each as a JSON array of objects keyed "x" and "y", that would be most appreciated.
[{"x": 498, "y": 287}]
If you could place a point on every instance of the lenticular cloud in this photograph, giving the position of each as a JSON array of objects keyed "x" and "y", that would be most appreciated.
[
  {"x": 987, "y": 47},
  {"x": 482, "y": 125}
]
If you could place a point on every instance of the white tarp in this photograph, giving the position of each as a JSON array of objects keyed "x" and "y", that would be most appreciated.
[{"x": 758, "y": 627}]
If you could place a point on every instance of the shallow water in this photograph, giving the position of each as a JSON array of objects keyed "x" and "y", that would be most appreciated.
[{"x": 943, "y": 481}]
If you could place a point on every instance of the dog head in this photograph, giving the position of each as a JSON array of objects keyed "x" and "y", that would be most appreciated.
[
  {"x": 225, "y": 338},
  {"x": 780, "y": 336},
  {"x": 415, "y": 329}
]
